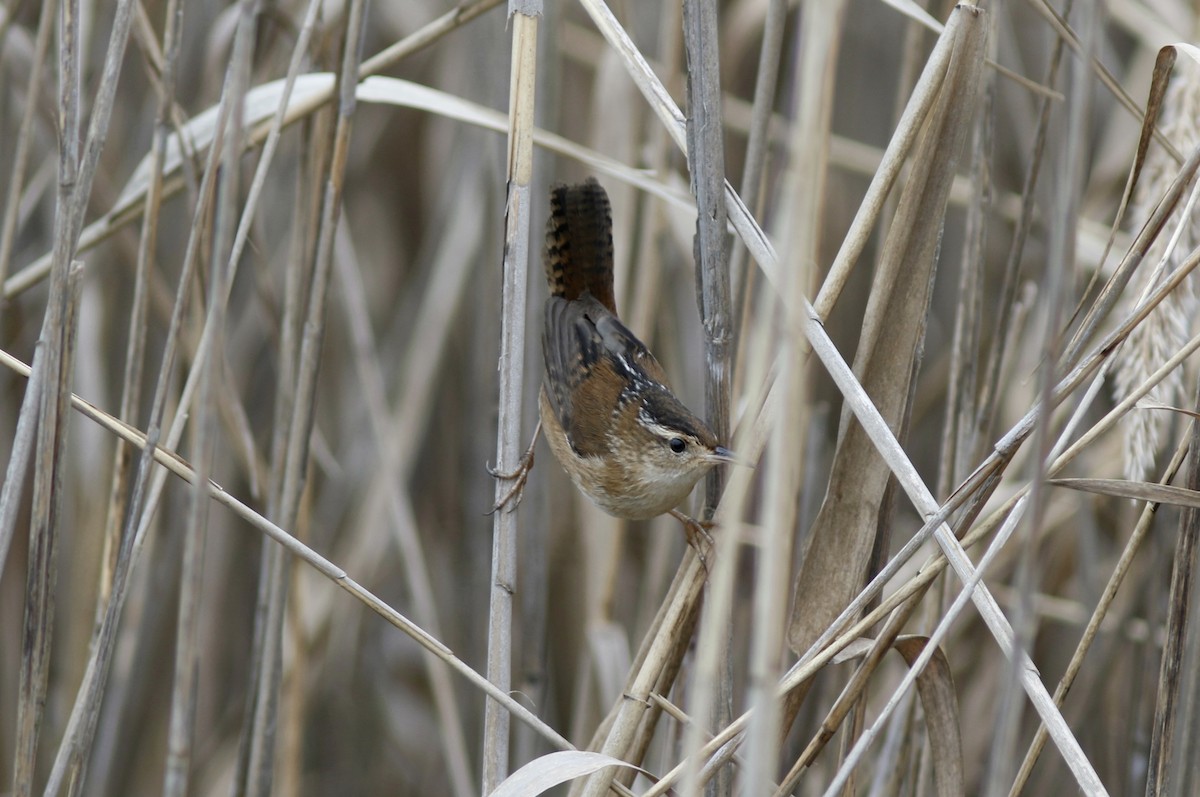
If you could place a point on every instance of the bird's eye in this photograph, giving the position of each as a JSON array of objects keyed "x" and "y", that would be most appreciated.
[{"x": 677, "y": 445}]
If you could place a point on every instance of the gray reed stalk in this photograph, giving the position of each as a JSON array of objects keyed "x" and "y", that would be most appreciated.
[
  {"x": 257, "y": 755},
  {"x": 172, "y": 462},
  {"x": 38, "y": 622},
  {"x": 813, "y": 92},
  {"x": 959, "y": 433},
  {"x": 826, "y": 646},
  {"x": 8, "y": 225},
  {"x": 135, "y": 353},
  {"x": 58, "y": 340},
  {"x": 18, "y": 464},
  {"x": 71, "y": 760},
  {"x": 181, "y": 725},
  {"x": 990, "y": 387},
  {"x": 110, "y": 223},
  {"x": 261, "y": 764},
  {"x": 1067, "y": 189},
  {"x": 1164, "y": 769},
  {"x": 523, "y": 16},
  {"x": 449, "y": 276},
  {"x": 712, "y": 689},
  {"x": 302, "y": 245},
  {"x": 1099, "y": 614},
  {"x": 766, "y": 80},
  {"x": 788, "y": 422}
]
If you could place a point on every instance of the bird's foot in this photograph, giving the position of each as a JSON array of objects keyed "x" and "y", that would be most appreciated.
[
  {"x": 519, "y": 474},
  {"x": 698, "y": 536}
]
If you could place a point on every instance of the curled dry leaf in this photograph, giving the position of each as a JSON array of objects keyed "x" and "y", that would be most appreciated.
[
  {"x": 554, "y": 769},
  {"x": 935, "y": 686}
]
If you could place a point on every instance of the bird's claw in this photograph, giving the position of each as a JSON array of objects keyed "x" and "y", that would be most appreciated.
[
  {"x": 697, "y": 536},
  {"x": 519, "y": 473}
]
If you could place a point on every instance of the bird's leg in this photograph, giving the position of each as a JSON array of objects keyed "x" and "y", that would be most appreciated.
[
  {"x": 697, "y": 535},
  {"x": 520, "y": 474}
]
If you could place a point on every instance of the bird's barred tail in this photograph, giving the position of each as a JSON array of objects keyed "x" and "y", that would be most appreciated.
[{"x": 579, "y": 248}]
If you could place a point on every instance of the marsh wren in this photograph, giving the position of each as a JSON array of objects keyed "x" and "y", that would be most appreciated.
[{"x": 610, "y": 417}]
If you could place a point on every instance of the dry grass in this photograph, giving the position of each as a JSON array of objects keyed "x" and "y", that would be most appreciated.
[{"x": 325, "y": 314}]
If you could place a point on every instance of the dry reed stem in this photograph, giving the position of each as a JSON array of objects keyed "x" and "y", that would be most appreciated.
[
  {"x": 131, "y": 386},
  {"x": 38, "y": 623},
  {"x": 712, "y": 686},
  {"x": 181, "y": 729},
  {"x": 57, "y": 341},
  {"x": 172, "y": 462},
  {"x": 265, "y": 693},
  {"x": 108, "y": 224},
  {"x": 843, "y": 535},
  {"x": 337, "y": 650},
  {"x": 450, "y": 271},
  {"x": 1098, "y": 616},
  {"x": 20, "y": 160},
  {"x": 1162, "y": 764},
  {"x": 856, "y": 398},
  {"x": 523, "y": 15}
]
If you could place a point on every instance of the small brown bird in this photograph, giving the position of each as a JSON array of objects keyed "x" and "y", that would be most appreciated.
[{"x": 611, "y": 419}]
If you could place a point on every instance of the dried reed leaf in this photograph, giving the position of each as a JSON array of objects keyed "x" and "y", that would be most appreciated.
[
  {"x": 1138, "y": 491},
  {"x": 259, "y": 106},
  {"x": 935, "y": 685},
  {"x": 554, "y": 769},
  {"x": 913, "y": 11},
  {"x": 843, "y": 535},
  {"x": 1151, "y": 405}
]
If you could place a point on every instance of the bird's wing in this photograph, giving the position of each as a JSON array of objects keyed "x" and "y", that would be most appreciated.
[{"x": 574, "y": 350}]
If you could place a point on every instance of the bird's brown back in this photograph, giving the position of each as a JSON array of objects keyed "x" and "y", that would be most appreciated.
[{"x": 579, "y": 247}]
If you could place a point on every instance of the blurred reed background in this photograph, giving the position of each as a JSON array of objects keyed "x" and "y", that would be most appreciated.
[{"x": 324, "y": 345}]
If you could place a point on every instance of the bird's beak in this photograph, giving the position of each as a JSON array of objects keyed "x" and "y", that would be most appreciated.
[{"x": 722, "y": 454}]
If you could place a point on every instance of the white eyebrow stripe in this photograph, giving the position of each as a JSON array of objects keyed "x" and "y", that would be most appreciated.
[{"x": 664, "y": 432}]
